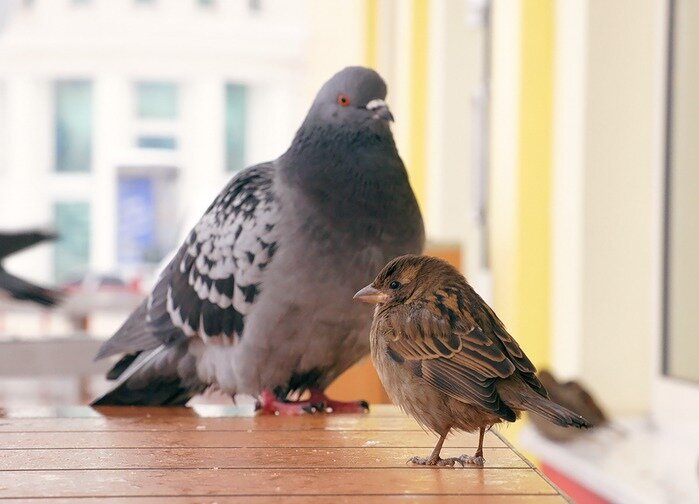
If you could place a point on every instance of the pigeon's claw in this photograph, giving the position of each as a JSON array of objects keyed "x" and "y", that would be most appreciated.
[
  {"x": 269, "y": 404},
  {"x": 332, "y": 406}
]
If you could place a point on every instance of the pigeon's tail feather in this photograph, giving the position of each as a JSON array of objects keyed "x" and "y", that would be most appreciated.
[
  {"x": 164, "y": 376},
  {"x": 132, "y": 337},
  {"x": 121, "y": 365},
  {"x": 519, "y": 396},
  {"x": 161, "y": 392}
]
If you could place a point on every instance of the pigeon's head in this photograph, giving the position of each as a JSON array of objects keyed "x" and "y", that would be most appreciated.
[{"x": 353, "y": 96}]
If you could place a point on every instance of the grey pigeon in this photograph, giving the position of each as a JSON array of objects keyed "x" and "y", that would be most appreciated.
[
  {"x": 18, "y": 288},
  {"x": 258, "y": 299}
]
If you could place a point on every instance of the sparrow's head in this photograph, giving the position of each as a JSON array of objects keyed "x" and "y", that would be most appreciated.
[
  {"x": 408, "y": 278},
  {"x": 353, "y": 96}
]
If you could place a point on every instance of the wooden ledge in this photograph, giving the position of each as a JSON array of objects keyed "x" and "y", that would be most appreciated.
[{"x": 226, "y": 455}]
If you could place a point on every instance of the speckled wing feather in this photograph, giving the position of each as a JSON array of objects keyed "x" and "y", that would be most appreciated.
[
  {"x": 452, "y": 353},
  {"x": 216, "y": 276}
]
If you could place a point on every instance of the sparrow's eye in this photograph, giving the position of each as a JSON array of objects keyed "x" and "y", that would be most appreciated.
[
  {"x": 343, "y": 100},
  {"x": 394, "y": 285}
]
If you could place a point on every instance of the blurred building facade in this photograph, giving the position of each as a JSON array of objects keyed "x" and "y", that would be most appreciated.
[{"x": 120, "y": 120}]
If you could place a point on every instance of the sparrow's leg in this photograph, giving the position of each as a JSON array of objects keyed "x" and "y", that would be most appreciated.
[
  {"x": 269, "y": 404},
  {"x": 477, "y": 458},
  {"x": 322, "y": 402},
  {"x": 434, "y": 459}
]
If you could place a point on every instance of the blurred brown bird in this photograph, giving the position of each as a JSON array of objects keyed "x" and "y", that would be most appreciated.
[
  {"x": 575, "y": 397},
  {"x": 445, "y": 357}
]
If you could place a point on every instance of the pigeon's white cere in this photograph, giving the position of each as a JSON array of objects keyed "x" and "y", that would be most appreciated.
[{"x": 376, "y": 104}]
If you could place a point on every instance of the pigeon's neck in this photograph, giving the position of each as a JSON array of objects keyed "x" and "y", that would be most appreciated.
[{"x": 348, "y": 173}]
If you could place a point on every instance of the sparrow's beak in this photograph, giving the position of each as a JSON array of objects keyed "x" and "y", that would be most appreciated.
[
  {"x": 369, "y": 294},
  {"x": 380, "y": 110}
]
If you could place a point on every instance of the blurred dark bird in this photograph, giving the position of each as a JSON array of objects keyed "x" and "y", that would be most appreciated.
[
  {"x": 445, "y": 357},
  {"x": 258, "y": 300},
  {"x": 18, "y": 288},
  {"x": 574, "y": 397}
]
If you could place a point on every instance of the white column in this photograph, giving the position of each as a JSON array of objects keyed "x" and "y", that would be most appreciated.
[
  {"x": 568, "y": 211},
  {"x": 24, "y": 197},
  {"x": 201, "y": 144},
  {"x": 504, "y": 145},
  {"x": 604, "y": 166},
  {"x": 111, "y": 112}
]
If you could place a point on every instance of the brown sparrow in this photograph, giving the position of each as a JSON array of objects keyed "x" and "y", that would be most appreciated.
[{"x": 446, "y": 359}]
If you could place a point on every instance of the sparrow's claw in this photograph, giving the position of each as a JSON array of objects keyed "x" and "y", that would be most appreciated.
[
  {"x": 421, "y": 461},
  {"x": 448, "y": 461},
  {"x": 477, "y": 460},
  {"x": 434, "y": 461}
]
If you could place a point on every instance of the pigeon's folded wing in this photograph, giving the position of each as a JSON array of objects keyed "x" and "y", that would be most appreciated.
[{"x": 216, "y": 276}]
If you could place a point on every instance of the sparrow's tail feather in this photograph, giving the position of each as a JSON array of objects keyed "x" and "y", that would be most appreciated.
[
  {"x": 519, "y": 396},
  {"x": 153, "y": 378}
]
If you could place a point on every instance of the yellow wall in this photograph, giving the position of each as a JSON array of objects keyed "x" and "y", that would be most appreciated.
[
  {"x": 520, "y": 175},
  {"x": 533, "y": 248},
  {"x": 396, "y": 45},
  {"x": 371, "y": 49},
  {"x": 416, "y": 161},
  {"x": 521, "y": 153}
]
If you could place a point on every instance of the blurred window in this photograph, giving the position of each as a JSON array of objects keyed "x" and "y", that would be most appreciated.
[
  {"x": 137, "y": 220},
  {"x": 73, "y": 123},
  {"x": 72, "y": 250},
  {"x": 146, "y": 229},
  {"x": 236, "y": 125},
  {"x": 157, "y": 142},
  {"x": 255, "y": 5},
  {"x": 207, "y": 3},
  {"x": 157, "y": 100}
]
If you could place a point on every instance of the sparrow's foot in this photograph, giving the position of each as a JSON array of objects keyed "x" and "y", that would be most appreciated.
[
  {"x": 328, "y": 405},
  {"x": 476, "y": 460},
  {"x": 269, "y": 404},
  {"x": 435, "y": 461}
]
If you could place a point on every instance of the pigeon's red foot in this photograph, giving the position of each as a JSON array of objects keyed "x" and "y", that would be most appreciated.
[{"x": 269, "y": 404}]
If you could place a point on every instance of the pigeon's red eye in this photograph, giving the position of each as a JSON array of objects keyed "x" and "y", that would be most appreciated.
[{"x": 343, "y": 100}]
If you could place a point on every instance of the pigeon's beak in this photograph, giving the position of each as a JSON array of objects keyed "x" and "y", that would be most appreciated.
[
  {"x": 370, "y": 294},
  {"x": 380, "y": 110}
]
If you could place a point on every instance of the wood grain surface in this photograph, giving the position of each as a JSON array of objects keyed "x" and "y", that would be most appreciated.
[{"x": 224, "y": 455}]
